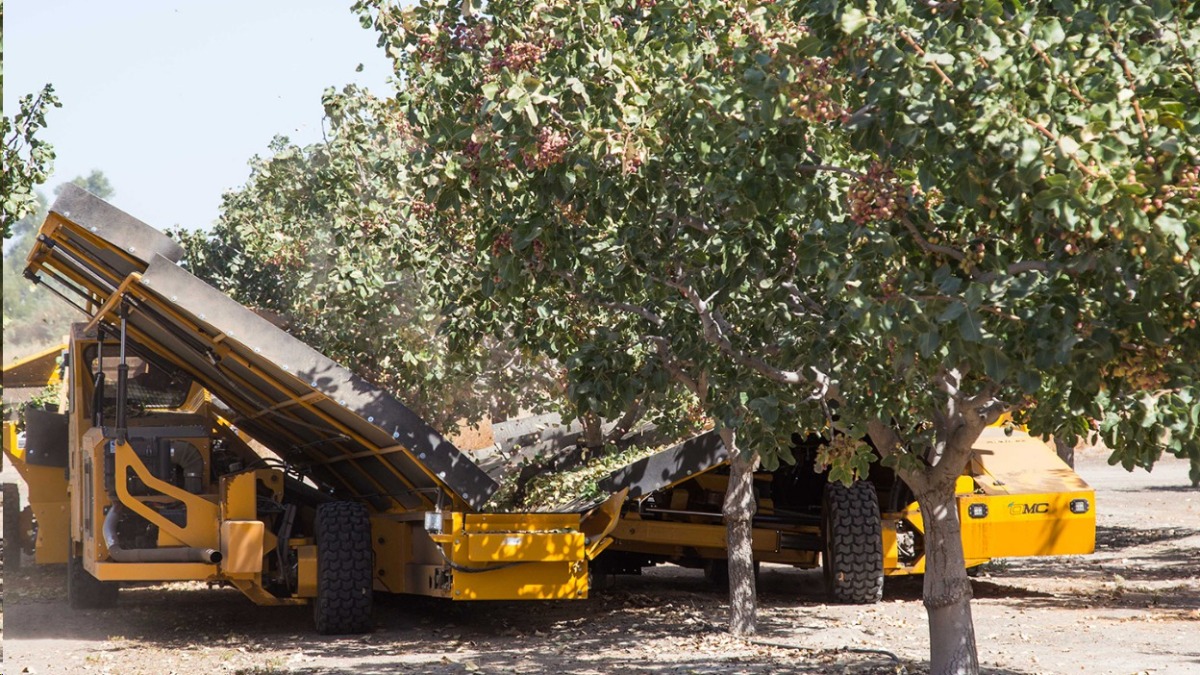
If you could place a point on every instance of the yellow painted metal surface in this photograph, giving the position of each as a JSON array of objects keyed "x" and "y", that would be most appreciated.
[
  {"x": 46, "y": 491},
  {"x": 259, "y": 595},
  {"x": 518, "y": 522},
  {"x": 891, "y": 548},
  {"x": 512, "y": 556},
  {"x": 114, "y": 571},
  {"x": 1017, "y": 463},
  {"x": 1014, "y": 526},
  {"x": 598, "y": 523},
  {"x": 11, "y": 449},
  {"x": 238, "y": 497},
  {"x": 51, "y": 507},
  {"x": 202, "y": 515},
  {"x": 242, "y": 548},
  {"x": 393, "y": 551},
  {"x": 35, "y": 370},
  {"x": 524, "y": 581},
  {"x": 597, "y": 547},
  {"x": 1028, "y": 525},
  {"x": 524, "y": 546},
  {"x": 45, "y": 487},
  {"x": 306, "y": 571},
  {"x": 699, "y": 535},
  {"x": 1027, "y": 491}
]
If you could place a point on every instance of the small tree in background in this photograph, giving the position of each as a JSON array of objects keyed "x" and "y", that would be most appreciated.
[
  {"x": 927, "y": 214},
  {"x": 34, "y": 319},
  {"x": 315, "y": 242}
]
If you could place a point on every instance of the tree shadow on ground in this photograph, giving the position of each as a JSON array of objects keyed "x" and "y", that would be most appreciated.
[
  {"x": 1131, "y": 569},
  {"x": 1120, "y": 552},
  {"x": 1182, "y": 488},
  {"x": 414, "y": 634}
]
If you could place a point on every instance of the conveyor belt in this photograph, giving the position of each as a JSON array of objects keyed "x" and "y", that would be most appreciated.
[{"x": 306, "y": 408}]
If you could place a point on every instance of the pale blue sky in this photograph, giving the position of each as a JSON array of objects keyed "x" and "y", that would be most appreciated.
[{"x": 171, "y": 99}]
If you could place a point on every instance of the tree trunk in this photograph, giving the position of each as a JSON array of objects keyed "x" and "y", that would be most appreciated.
[
  {"x": 593, "y": 433},
  {"x": 947, "y": 589},
  {"x": 1065, "y": 451},
  {"x": 739, "y": 511}
]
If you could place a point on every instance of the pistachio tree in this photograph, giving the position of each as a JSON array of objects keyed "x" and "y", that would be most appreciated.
[
  {"x": 315, "y": 242},
  {"x": 925, "y": 214}
]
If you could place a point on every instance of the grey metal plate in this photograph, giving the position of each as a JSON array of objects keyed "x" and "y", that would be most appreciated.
[
  {"x": 349, "y": 400},
  {"x": 45, "y": 437},
  {"x": 691, "y": 457},
  {"x": 130, "y": 235}
]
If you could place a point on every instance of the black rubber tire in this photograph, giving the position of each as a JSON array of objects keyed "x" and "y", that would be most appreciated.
[
  {"x": 716, "y": 573},
  {"x": 85, "y": 591},
  {"x": 600, "y": 580},
  {"x": 853, "y": 532},
  {"x": 345, "y": 569},
  {"x": 27, "y": 534},
  {"x": 12, "y": 527}
]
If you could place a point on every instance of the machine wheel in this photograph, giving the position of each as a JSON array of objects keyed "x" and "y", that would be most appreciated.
[
  {"x": 12, "y": 527},
  {"x": 716, "y": 573},
  {"x": 28, "y": 531},
  {"x": 853, "y": 556},
  {"x": 345, "y": 569},
  {"x": 600, "y": 580},
  {"x": 85, "y": 591}
]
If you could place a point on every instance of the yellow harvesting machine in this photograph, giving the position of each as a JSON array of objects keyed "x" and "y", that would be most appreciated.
[{"x": 197, "y": 441}]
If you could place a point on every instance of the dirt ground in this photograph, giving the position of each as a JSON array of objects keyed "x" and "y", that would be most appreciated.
[{"x": 1132, "y": 607}]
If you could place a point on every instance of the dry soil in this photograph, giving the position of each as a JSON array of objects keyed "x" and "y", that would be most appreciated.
[{"x": 1132, "y": 607}]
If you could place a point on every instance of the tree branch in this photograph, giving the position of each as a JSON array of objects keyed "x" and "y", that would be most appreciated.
[
  {"x": 634, "y": 309},
  {"x": 921, "y": 52},
  {"x": 1130, "y": 82},
  {"x": 802, "y": 298},
  {"x": 1187, "y": 60},
  {"x": 712, "y": 333},
  {"x": 1050, "y": 64},
  {"x": 1041, "y": 129},
  {"x": 931, "y": 247},
  {"x": 887, "y": 442},
  {"x": 671, "y": 365},
  {"x": 686, "y": 221},
  {"x": 813, "y": 168},
  {"x": 632, "y": 414}
]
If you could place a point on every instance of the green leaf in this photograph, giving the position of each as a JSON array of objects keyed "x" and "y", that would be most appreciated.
[
  {"x": 531, "y": 114},
  {"x": 1030, "y": 381},
  {"x": 853, "y": 20},
  {"x": 1052, "y": 32},
  {"x": 969, "y": 328},
  {"x": 1174, "y": 229},
  {"x": 995, "y": 364},
  {"x": 927, "y": 343},
  {"x": 954, "y": 310}
]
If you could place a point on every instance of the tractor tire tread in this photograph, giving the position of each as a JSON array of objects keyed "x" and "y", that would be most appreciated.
[
  {"x": 345, "y": 569},
  {"x": 85, "y": 591},
  {"x": 854, "y": 543},
  {"x": 12, "y": 526}
]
